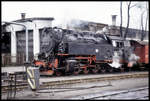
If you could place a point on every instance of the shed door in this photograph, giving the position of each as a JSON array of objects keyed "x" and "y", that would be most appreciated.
[{"x": 21, "y": 43}]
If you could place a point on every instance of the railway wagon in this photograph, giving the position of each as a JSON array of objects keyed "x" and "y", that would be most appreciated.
[{"x": 141, "y": 49}]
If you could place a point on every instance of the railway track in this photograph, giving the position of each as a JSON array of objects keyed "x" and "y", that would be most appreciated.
[
  {"x": 24, "y": 84},
  {"x": 138, "y": 92},
  {"x": 115, "y": 77}
]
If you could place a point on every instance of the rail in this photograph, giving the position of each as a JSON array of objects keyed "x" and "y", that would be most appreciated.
[
  {"x": 24, "y": 85},
  {"x": 118, "y": 93}
]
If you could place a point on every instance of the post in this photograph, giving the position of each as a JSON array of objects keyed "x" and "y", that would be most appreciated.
[
  {"x": 27, "y": 55},
  {"x": 33, "y": 76},
  {"x": 15, "y": 84},
  {"x": 36, "y": 41},
  {"x": 13, "y": 45}
]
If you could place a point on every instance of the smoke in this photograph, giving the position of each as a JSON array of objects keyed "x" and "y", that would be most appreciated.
[
  {"x": 73, "y": 24},
  {"x": 76, "y": 24},
  {"x": 133, "y": 59},
  {"x": 116, "y": 60},
  {"x": 104, "y": 30}
]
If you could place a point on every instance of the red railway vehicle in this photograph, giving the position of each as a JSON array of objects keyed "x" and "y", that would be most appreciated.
[{"x": 141, "y": 49}]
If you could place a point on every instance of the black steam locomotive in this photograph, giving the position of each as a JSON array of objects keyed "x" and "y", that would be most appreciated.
[{"x": 64, "y": 51}]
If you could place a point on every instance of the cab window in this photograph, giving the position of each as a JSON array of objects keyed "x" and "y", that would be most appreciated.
[
  {"x": 119, "y": 44},
  {"x": 126, "y": 43}
]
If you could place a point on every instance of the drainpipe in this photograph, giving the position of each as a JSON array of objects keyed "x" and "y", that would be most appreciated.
[{"x": 26, "y": 31}]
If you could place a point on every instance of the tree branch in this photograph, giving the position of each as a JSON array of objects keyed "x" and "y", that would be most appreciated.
[{"x": 121, "y": 18}]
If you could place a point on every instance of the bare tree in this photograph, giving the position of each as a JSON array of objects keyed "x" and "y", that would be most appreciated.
[
  {"x": 147, "y": 20},
  {"x": 142, "y": 27},
  {"x": 121, "y": 19},
  {"x": 143, "y": 10},
  {"x": 128, "y": 19}
]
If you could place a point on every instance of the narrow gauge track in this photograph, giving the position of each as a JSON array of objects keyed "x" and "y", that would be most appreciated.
[
  {"x": 118, "y": 93},
  {"x": 24, "y": 85},
  {"x": 59, "y": 89},
  {"x": 104, "y": 78}
]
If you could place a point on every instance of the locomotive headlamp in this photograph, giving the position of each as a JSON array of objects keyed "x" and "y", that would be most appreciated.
[{"x": 96, "y": 50}]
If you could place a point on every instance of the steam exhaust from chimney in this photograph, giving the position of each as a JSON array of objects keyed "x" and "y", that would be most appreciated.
[
  {"x": 114, "y": 20},
  {"x": 23, "y": 15}
]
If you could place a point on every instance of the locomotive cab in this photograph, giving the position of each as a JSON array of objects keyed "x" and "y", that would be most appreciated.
[{"x": 122, "y": 49}]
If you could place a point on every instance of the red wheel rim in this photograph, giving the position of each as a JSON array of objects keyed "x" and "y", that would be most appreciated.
[
  {"x": 85, "y": 71},
  {"x": 110, "y": 70},
  {"x": 58, "y": 73},
  {"x": 76, "y": 72},
  {"x": 103, "y": 70},
  {"x": 95, "y": 70},
  {"x": 122, "y": 69}
]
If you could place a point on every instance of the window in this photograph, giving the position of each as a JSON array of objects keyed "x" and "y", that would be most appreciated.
[
  {"x": 119, "y": 44},
  {"x": 126, "y": 43},
  {"x": 114, "y": 43}
]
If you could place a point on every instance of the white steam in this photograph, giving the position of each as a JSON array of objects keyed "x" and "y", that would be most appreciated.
[
  {"x": 104, "y": 30},
  {"x": 72, "y": 23},
  {"x": 133, "y": 59},
  {"x": 116, "y": 60}
]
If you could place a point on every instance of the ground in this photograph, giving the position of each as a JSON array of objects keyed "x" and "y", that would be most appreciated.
[{"x": 79, "y": 92}]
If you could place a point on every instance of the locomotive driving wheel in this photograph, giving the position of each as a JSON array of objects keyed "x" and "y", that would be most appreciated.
[
  {"x": 121, "y": 69},
  {"x": 110, "y": 70},
  {"x": 103, "y": 70},
  {"x": 85, "y": 71},
  {"x": 58, "y": 73},
  {"x": 95, "y": 69},
  {"x": 76, "y": 71}
]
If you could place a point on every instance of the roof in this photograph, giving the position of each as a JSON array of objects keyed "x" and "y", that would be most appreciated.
[
  {"x": 93, "y": 23},
  {"x": 140, "y": 42},
  {"x": 115, "y": 37},
  {"x": 35, "y": 18}
]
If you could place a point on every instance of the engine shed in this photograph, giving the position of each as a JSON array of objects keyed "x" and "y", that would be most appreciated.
[{"x": 14, "y": 37}]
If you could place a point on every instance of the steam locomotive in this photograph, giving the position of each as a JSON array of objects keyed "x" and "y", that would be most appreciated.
[{"x": 64, "y": 51}]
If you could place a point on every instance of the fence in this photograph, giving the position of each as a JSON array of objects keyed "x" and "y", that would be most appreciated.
[{"x": 20, "y": 59}]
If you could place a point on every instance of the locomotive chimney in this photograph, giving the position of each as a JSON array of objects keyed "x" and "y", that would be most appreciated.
[
  {"x": 23, "y": 15},
  {"x": 114, "y": 20}
]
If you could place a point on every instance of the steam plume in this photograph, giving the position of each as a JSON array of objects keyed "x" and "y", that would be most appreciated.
[{"x": 116, "y": 60}]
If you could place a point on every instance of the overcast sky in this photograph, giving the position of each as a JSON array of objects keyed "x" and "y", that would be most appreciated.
[{"x": 65, "y": 11}]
